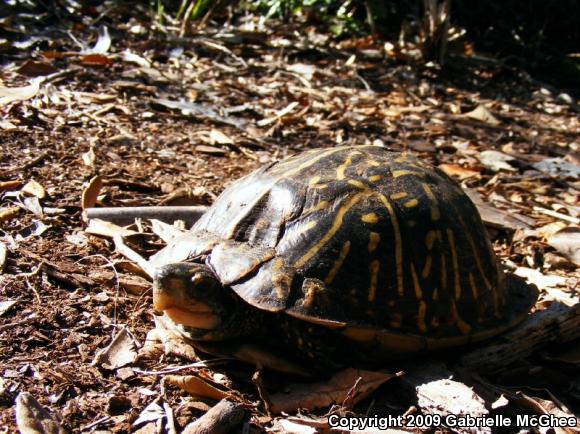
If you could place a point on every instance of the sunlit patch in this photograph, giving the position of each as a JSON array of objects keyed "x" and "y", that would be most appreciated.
[{"x": 370, "y": 218}]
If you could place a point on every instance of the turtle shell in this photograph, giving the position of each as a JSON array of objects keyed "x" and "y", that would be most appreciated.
[{"x": 375, "y": 243}]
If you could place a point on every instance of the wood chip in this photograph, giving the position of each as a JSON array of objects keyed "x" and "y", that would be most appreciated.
[{"x": 33, "y": 188}]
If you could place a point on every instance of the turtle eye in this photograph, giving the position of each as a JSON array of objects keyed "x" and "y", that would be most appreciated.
[{"x": 203, "y": 282}]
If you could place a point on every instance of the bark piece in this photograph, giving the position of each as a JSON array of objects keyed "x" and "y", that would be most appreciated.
[{"x": 558, "y": 323}]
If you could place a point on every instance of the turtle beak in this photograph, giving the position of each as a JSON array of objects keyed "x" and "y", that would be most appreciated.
[{"x": 174, "y": 294}]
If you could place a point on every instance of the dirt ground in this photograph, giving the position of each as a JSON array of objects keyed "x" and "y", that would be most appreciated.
[{"x": 163, "y": 119}]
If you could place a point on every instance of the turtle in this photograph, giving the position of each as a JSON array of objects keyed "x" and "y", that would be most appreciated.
[{"x": 339, "y": 256}]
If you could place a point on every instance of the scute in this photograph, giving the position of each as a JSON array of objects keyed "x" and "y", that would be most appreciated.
[{"x": 363, "y": 237}]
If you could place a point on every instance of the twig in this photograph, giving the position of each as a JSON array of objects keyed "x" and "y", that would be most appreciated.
[{"x": 557, "y": 215}]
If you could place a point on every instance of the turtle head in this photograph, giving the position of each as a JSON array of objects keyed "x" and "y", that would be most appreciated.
[{"x": 193, "y": 298}]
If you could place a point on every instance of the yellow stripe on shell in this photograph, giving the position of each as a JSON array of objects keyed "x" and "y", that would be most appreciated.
[
  {"x": 416, "y": 284},
  {"x": 398, "y": 242},
  {"x": 370, "y": 218},
  {"x": 338, "y": 263},
  {"x": 411, "y": 203},
  {"x": 314, "y": 180},
  {"x": 357, "y": 184},
  {"x": 374, "y": 240},
  {"x": 455, "y": 263},
  {"x": 403, "y": 172},
  {"x": 336, "y": 225},
  {"x": 421, "y": 317},
  {"x": 473, "y": 285},
  {"x": 342, "y": 168},
  {"x": 435, "y": 213},
  {"x": 374, "y": 178},
  {"x": 430, "y": 239},
  {"x": 427, "y": 267},
  {"x": 463, "y": 327},
  {"x": 323, "y": 204},
  {"x": 374, "y": 273},
  {"x": 399, "y": 195}
]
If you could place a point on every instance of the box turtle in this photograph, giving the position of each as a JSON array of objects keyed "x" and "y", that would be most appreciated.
[{"x": 342, "y": 255}]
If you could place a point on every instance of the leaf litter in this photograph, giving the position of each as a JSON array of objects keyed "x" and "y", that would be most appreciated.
[{"x": 151, "y": 119}]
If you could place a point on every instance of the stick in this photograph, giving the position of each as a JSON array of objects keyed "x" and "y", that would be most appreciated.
[
  {"x": 220, "y": 419},
  {"x": 127, "y": 215}
]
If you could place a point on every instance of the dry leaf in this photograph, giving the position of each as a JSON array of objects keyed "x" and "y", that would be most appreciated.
[
  {"x": 11, "y": 94},
  {"x": 89, "y": 157},
  {"x": 32, "y": 418},
  {"x": 91, "y": 192},
  {"x": 481, "y": 113},
  {"x": 542, "y": 281},
  {"x": 335, "y": 390},
  {"x": 3, "y": 256},
  {"x": 120, "y": 352},
  {"x": 33, "y": 188},
  {"x": 212, "y": 150},
  {"x": 196, "y": 386},
  {"x": 458, "y": 171},
  {"x": 32, "y": 68},
  {"x": 216, "y": 136},
  {"x": 567, "y": 242},
  {"x": 9, "y": 213},
  {"x": 134, "y": 284},
  {"x": 96, "y": 60},
  {"x": 6, "y": 305},
  {"x": 279, "y": 115},
  {"x": 108, "y": 229},
  {"x": 496, "y": 161},
  {"x": 9, "y": 185}
]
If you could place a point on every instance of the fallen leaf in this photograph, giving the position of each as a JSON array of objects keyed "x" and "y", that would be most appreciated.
[
  {"x": 6, "y": 305},
  {"x": 33, "y": 188},
  {"x": 32, "y": 418},
  {"x": 11, "y": 94},
  {"x": 96, "y": 60},
  {"x": 279, "y": 115},
  {"x": 567, "y": 242},
  {"x": 108, "y": 229},
  {"x": 151, "y": 413},
  {"x": 134, "y": 284},
  {"x": 496, "y": 161},
  {"x": 216, "y": 136},
  {"x": 89, "y": 157},
  {"x": 9, "y": 185},
  {"x": 196, "y": 386},
  {"x": 103, "y": 43},
  {"x": 458, "y": 171},
  {"x": 542, "y": 281},
  {"x": 559, "y": 168},
  {"x": 212, "y": 150},
  {"x": 120, "y": 352},
  {"x": 130, "y": 57},
  {"x": 481, "y": 113},
  {"x": 33, "y": 68},
  {"x": 35, "y": 229},
  {"x": 91, "y": 192},
  {"x": 9, "y": 213},
  {"x": 3, "y": 257},
  {"x": 323, "y": 394}
]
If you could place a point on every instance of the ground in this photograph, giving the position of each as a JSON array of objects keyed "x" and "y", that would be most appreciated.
[{"x": 247, "y": 95}]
